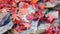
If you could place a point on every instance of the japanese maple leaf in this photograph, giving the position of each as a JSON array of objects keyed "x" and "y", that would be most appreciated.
[
  {"x": 58, "y": 1},
  {"x": 13, "y": 11},
  {"x": 17, "y": 1},
  {"x": 26, "y": 25},
  {"x": 49, "y": 30},
  {"x": 22, "y": 0},
  {"x": 23, "y": 11},
  {"x": 41, "y": 6},
  {"x": 33, "y": 1},
  {"x": 45, "y": 0},
  {"x": 29, "y": 17},
  {"x": 25, "y": 5},
  {"x": 33, "y": 6},
  {"x": 59, "y": 12},
  {"x": 15, "y": 17},
  {"x": 51, "y": 1},
  {"x": 7, "y": 1},
  {"x": 41, "y": 15},
  {"x": 13, "y": 4},
  {"x": 50, "y": 18},
  {"x": 1, "y": 1},
  {"x": 0, "y": 10}
]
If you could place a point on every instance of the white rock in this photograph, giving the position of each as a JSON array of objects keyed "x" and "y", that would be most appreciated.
[
  {"x": 54, "y": 13},
  {"x": 49, "y": 5},
  {"x": 6, "y": 27}
]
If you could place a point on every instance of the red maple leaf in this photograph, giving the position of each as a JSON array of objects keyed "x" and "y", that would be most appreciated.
[
  {"x": 26, "y": 25},
  {"x": 29, "y": 17},
  {"x": 50, "y": 17}
]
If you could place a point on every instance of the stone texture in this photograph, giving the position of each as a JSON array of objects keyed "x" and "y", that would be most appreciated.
[{"x": 3, "y": 17}]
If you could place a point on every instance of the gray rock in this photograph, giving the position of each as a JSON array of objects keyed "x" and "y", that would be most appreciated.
[
  {"x": 57, "y": 7},
  {"x": 4, "y": 17}
]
